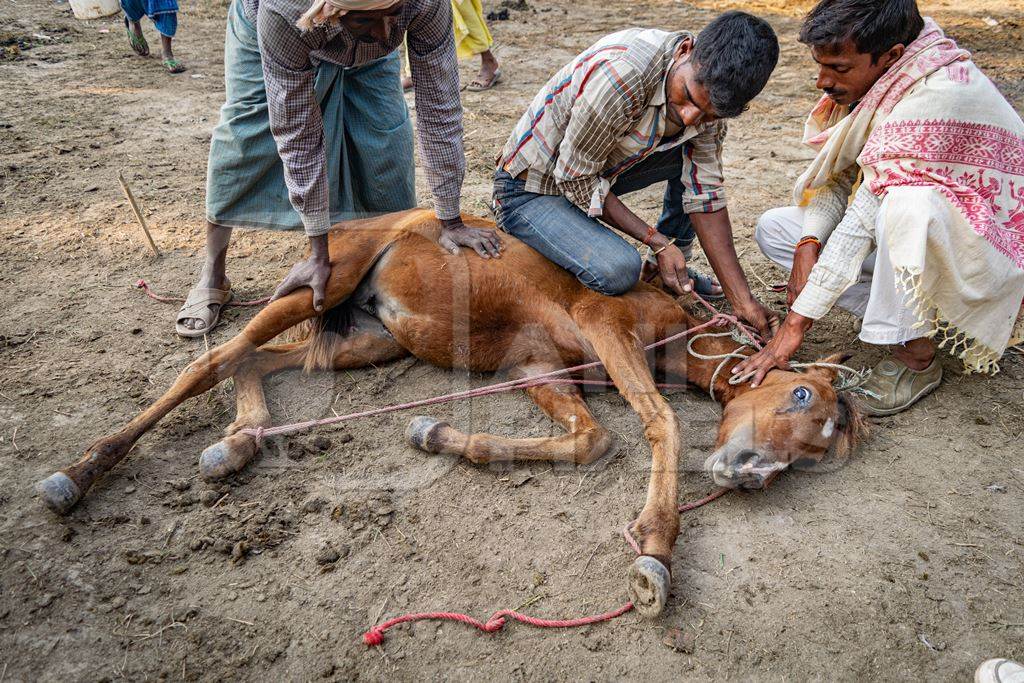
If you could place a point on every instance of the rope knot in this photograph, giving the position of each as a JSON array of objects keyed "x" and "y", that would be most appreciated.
[
  {"x": 258, "y": 435},
  {"x": 141, "y": 284},
  {"x": 373, "y": 637},
  {"x": 494, "y": 625}
]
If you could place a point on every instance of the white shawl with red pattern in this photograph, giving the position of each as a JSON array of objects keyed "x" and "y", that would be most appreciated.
[{"x": 944, "y": 150}]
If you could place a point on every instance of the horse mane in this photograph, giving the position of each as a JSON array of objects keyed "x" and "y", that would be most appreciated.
[{"x": 852, "y": 425}]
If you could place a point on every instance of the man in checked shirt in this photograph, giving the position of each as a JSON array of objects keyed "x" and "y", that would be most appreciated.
[
  {"x": 639, "y": 107},
  {"x": 315, "y": 130}
]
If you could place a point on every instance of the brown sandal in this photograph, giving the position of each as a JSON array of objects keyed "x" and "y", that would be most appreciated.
[{"x": 205, "y": 305}]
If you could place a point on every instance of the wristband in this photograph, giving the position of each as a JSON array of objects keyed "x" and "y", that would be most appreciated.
[
  {"x": 658, "y": 251},
  {"x": 809, "y": 240},
  {"x": 651, "y": 232}
]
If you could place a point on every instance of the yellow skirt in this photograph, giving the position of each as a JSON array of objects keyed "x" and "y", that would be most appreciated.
[{"x": 471, "y": 33}]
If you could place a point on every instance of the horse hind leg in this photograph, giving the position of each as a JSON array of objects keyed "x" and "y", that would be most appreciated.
[
  {"x": 585, "y": 439},
  {"x": 364, "y": 343}
]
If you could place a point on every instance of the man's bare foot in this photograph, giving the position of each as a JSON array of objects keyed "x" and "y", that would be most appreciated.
[
  {"x": 213, "y": 275},
  {"x": 207, "y": 280}
]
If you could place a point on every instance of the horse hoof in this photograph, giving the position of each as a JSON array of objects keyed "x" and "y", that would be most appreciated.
[
  {"x": 227, "y": 456},
  {"x": 423, "y": 433},
  {"x": 59, "y": 492},
  {"x": 649, "y": 582}
]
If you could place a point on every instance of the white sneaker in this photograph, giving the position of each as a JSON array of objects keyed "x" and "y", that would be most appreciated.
[{"x": 999, "y": 671}]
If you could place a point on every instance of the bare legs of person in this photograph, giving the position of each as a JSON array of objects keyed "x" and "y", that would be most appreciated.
[
  {"x": 916, "y": 354},
  {"x": 489, "y": 71}
]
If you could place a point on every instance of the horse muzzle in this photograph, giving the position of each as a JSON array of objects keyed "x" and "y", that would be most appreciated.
[{"x": 741, "y": 468}]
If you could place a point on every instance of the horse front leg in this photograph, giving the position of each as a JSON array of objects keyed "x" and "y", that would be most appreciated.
[
  {"x": 585, "y": 439},
  {"x": 657, "y": 527}
]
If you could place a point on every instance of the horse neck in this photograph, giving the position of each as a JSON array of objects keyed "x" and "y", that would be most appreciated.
[{"x": 700, "y": 371}]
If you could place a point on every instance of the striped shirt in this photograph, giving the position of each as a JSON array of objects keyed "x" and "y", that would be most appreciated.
[
  {"x": 289, "y": 60},
  {"x": 604, "y": 112}
]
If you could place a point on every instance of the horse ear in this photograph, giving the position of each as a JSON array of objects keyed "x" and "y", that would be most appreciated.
[{"x": 830, "y": 373}]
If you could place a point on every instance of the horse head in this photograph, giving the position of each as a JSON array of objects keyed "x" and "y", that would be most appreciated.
[{"x": 791, "y": 419}]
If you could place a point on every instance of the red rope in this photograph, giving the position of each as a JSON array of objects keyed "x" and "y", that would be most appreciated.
[
  {"x": 375, "y": 636},
  {"x": 144, "y": 286}
]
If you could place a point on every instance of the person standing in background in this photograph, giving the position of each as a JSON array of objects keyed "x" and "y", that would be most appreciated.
[
  {"x": 164, "y": 15},
  {"x": 472, "y": 37}
]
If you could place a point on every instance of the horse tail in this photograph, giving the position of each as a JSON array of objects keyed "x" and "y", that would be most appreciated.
[{"x": 355, "y": 248}]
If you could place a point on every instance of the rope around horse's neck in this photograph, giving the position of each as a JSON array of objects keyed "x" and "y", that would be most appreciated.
[{"x": 852, "y": 379}]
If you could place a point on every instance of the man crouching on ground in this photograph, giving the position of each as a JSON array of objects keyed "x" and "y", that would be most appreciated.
[
  {"x": 937, "y": 156},
  {"x": 639, "y": 107}
]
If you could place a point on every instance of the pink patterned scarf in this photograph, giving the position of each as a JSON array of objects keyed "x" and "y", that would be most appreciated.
[{"x": 935, "y": 132}]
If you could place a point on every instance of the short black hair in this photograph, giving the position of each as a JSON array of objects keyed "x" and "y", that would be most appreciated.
[
  {"x": 733, "y": 57},
  {"x": 875, "y": 26}
]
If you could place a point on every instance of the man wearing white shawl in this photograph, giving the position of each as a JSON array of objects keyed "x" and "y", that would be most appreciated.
[{"x": 930, "y": 249}]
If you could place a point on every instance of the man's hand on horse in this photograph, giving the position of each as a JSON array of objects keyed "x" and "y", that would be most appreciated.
[
  {"x": 455, "y": 234},
  {"x": 763, "y": 319},
  {"x": 777, "y": 352},
  {"x": 311, "y": 272},
  {"x": 672, "y": 266}
]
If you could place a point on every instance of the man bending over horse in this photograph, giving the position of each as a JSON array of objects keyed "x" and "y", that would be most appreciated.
[
  {"x": 639, "y": 107},
  {"x": 315, "y": 130},
  {"x": 937, "y": 159}
]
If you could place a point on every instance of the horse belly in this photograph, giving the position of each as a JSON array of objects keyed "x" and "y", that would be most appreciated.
[{"x": 451, "y": 312}]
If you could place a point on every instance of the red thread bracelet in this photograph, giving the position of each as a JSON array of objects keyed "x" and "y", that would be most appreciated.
[{"x": 809, "y": 240}]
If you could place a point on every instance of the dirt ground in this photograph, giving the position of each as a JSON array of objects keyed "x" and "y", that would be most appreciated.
[{"x": 906, "y": 564}]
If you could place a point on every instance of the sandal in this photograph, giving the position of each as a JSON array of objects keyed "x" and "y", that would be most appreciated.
[
  {"x": 705, "y": 285},
  {"x": 893, "y": 387},
  {"x": 137, "y": 41},
  {"x": 205, "y": 305},
  {"x": 174, "y": 66},
  {"x": 480, "y": 86}
]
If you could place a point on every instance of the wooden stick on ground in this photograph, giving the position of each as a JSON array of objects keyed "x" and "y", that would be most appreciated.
[{"x": 138, "y": 211}]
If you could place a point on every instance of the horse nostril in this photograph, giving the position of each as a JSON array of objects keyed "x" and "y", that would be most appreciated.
[{"x": 745, "y": 457}]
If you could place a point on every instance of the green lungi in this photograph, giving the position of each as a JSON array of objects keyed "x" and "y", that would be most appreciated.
[{"x": 369, "y": 170}]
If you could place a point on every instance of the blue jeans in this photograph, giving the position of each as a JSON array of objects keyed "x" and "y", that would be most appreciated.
[{"x": 594, "y": 253}]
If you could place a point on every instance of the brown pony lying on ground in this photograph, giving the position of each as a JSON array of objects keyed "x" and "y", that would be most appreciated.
[{"x": 393, "y": 292}]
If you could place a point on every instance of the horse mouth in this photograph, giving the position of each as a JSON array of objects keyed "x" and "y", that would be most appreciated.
[{"x": 745, "y": 469}]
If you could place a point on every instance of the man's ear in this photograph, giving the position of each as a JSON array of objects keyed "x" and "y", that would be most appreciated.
[
  {"x": 894, "y": 54},
  {"x": 684, "y": 47}
]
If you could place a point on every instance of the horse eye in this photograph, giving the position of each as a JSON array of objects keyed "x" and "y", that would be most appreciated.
[{"x": 802, "y": 394}]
